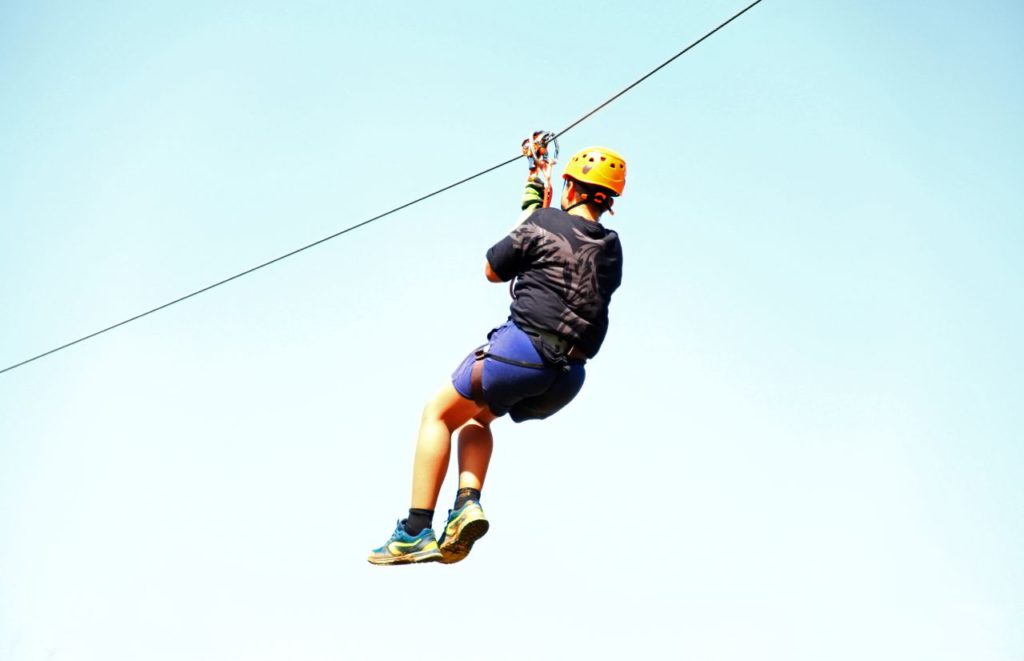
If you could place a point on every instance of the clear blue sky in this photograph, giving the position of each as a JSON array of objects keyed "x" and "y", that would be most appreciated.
[{"x": 801, "y": 441}]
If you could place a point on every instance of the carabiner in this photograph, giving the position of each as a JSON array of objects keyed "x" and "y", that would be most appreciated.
[{"x": 542, "y": 146}]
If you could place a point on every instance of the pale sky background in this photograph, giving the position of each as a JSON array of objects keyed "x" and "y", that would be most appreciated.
[{"x": 802, "y": 440}]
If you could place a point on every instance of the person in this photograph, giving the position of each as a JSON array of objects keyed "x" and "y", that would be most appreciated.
[{"x": 565, "y": 265}]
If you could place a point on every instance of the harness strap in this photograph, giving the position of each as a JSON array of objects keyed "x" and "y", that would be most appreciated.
[
  {"x": 558, "y": 343},
  {"x": 476, "y": 381},
  {"x": 517, "y": 363},
  {"x": 476, "y": 373}
]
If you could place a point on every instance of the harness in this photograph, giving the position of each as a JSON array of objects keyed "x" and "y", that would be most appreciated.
[
  {"x": 476, "y": 373},
  {"x": 569, "y": 355}
]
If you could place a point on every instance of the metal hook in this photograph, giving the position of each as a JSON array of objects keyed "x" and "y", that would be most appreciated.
[{"x": 542, "y": 146}]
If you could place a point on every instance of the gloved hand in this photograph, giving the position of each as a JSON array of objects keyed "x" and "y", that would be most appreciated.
[{"x": 533, "y": 195}]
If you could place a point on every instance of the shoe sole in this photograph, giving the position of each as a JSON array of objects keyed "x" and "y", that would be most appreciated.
[
  {"x": 419, "y": 557},
  {"x": 462, "y": 541}
]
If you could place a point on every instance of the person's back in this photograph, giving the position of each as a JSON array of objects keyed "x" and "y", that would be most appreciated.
[{"x": 567, "y": 270}]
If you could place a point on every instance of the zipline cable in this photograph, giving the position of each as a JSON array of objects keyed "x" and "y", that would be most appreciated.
[
  {"x": 658, "y": 68},
  {"x": 390, "y": 211},
  {"x": 256, "y": 268}
]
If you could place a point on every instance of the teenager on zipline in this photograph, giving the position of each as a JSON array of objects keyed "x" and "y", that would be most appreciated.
[{"x": 566, "y": 265}]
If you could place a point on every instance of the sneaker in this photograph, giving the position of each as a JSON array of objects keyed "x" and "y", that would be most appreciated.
[
  {"x": 465, "y": 525},
  {"x": 403, "y": 548}
]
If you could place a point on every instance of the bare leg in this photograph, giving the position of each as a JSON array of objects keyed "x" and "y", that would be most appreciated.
[
  {"x": 442, "y": 415},
  {"x": 475, "y": 446}
]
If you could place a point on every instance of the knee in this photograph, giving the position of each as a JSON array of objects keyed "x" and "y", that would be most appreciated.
[
  {"x": 431, "y": 412},
  {"x": 437, "y": 414}
]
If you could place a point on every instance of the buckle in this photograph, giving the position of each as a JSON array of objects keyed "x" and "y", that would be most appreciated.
[{"x": 575, "y": 353}]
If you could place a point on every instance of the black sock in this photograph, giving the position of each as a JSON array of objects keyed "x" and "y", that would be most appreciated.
[
  {"x": 418, "y": 520},
  {"x": 465, "y": 494}
]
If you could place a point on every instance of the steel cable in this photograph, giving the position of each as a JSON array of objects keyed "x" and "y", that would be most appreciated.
[{"x": 390, "y": 211}]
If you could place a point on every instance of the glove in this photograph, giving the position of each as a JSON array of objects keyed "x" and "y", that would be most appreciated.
[{"x": 533, "y": 195}]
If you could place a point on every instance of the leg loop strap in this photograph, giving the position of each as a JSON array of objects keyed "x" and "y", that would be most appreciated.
[
  {"x": 476, "y": 373},
  {"x": 476, "y": 377}
]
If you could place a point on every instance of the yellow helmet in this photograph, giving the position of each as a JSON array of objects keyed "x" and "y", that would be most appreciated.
[{"x": 598, "y": 166}]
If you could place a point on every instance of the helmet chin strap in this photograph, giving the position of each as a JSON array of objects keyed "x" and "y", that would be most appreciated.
[{"x": 599, "y": 198}]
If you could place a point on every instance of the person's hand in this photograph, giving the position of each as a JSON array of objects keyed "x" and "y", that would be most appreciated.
[
  {"x": 535, "y": 180},
  {"x": 538, "y": 181},
  {"x": 533, "y": 195},
  {"x": 541, "y": 168}
]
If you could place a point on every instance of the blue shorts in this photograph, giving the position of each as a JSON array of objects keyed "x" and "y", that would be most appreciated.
[{"x": 525, "y": 393}]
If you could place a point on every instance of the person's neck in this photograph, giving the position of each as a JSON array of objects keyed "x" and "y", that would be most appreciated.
[{"x": 586, "y": 212}]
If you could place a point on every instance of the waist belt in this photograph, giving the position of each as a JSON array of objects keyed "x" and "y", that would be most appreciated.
[{"x": 558, "y": 343}]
